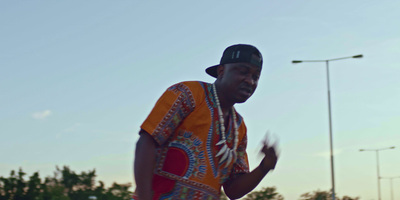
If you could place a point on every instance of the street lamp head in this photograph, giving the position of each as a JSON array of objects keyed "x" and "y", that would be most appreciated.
[
  {"x": 392, "y": 147},
  {"x": 358, "y": 56},
  {"x": 297, "y": 61},
  {"x": 362, "y": 149}
]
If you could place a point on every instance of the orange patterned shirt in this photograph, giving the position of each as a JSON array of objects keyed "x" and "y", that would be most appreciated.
[{"x": 184, "y": 122}]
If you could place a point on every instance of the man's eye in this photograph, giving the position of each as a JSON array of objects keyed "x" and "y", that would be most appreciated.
[{"x": 243, "y": 71}]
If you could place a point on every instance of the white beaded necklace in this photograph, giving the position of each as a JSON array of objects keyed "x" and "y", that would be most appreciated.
[{"x": 227, "y": 153}]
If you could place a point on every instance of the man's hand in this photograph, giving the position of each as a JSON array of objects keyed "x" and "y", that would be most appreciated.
[
  {"x": 270, "y": 158},
  {"x": 242, "y": 184}
]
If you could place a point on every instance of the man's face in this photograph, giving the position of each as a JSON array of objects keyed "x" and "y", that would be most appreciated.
[{"x": 239, "y": 81}]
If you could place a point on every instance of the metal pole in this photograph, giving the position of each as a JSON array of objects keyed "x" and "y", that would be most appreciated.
[
  {"x": 379, "y": 178},
  {"x": 377, "y": 167},
  {"x": 391, "y": 185},
  {"x": 330, "y": 131},
  {"x": 391, "y": 188},
  {"x": 329, "y": 107}
]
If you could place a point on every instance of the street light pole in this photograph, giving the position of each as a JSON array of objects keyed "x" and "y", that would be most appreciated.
[
  {"x": 377, "y": 166},
  {"x": 379, "y": 176},
  {"x": 329, "y": 111},
  {"x": 330, "y": 130},
  {"x": 391, "y": 184}
]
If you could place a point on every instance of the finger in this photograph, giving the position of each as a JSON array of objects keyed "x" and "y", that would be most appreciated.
[
  {"x": 268, "y": 150},
  {"x": 275, "y": 143},
  {"x": 266, "y": 139},
  {"x": 272, "y": 151},
  {"x": 261, "y": 151},
  {"x": 270, "y": 139}
]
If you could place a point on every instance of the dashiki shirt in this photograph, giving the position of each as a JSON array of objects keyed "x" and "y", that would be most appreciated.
[{"x": 184, "y": 123}]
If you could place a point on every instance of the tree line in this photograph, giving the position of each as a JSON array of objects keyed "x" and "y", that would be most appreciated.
[
  {"x": 66, "y": 184},
  {"x": 270, "y": 193}
]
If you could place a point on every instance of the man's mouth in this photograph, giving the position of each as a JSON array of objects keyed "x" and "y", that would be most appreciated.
[{"x": 247, "y": 91}]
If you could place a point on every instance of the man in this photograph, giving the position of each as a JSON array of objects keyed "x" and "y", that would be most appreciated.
[{"x": 193, "y": 141}]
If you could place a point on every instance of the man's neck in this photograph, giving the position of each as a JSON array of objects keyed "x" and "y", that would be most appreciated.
[{"x": 226, "y": 106}]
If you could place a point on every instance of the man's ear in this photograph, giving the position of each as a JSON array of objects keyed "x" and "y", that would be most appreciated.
[{"x": 220, "y": 70}]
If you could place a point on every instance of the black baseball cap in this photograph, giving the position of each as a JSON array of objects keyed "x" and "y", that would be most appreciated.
[{"x": 238, "y": 53}]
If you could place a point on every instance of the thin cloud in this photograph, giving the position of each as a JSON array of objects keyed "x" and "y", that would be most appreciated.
[
  {"x": 327, "y": 154},
  {"x": 41, "y": 115},
  {"x": 72, "y": 128},
  {"x": 67, "y": 130}
]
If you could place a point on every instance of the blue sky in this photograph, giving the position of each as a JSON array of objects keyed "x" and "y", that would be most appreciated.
[{"x": 78, "y": 78}]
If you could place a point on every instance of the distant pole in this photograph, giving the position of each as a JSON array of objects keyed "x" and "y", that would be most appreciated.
[
  {"x": 377, "y": 166},
  {"x": 379, "y": 176},
  {"x": 391, "y": 185},
  {"x": 329, "y": 112},
  {"x": 391, "y": 188}
]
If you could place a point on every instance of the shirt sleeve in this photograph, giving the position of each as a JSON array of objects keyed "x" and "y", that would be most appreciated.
[
  {"x": 242, "y": 163},
  {"x": 171, "y": 109}
]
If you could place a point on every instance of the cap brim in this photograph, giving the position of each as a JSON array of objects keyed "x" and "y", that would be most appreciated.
[{"x": 212, "y": 71}]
